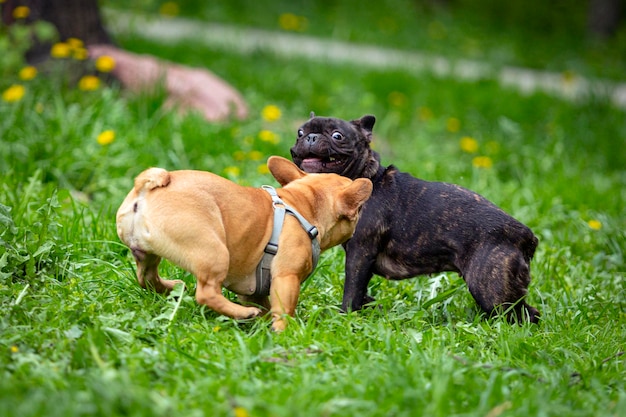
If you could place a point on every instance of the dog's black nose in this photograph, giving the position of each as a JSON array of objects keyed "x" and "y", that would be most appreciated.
[{"x": 312, "y": 137}]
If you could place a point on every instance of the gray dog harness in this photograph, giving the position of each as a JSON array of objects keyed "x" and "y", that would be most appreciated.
[{"x": 263, "y": 270}]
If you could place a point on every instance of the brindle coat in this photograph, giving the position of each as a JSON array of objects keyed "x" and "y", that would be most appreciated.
[{"x": 412, "y": 227}]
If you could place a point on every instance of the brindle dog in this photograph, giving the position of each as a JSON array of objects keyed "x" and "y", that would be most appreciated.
[{"x": 412, "y": 227}]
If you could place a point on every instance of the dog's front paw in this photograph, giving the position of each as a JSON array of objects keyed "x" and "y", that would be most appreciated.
[
  {"x": 278, "y": 325},
  {"x": 250, "y": 313},
  {"x": 366, "y": 302},
  {"x": 368, "y": 299}
]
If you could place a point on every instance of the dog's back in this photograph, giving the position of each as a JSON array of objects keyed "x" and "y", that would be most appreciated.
[{"x": 438, "y": 217}]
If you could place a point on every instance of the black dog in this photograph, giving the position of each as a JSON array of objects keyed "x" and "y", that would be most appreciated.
[{"x": 412, "y": 227}]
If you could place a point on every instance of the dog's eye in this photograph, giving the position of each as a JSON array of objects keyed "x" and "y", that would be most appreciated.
[
  {"x": 337, "y": 136},
  {"x": 300, "y": 133}
]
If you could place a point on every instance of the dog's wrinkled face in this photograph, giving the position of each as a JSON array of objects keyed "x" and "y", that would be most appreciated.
[{"x": 330, "y": 145}]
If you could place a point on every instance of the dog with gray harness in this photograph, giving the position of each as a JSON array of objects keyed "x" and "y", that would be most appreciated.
[
  {"x": 412, "y": 227},
  {"x": 260, "y": 243}
]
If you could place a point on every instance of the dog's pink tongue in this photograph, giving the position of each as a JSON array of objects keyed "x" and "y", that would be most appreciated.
[{"x": 311, "y": 164}]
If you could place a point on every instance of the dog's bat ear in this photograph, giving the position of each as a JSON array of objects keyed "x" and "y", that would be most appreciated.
[
  {"x": 284, "y": 170},
  {"x": 354, "y": 196},
  {"x": 312, "y": 115},
  {"x": 366, "y": 122}
]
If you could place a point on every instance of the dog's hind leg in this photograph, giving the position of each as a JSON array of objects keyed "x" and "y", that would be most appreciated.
[
  {"x": 210, "y": 294},
  {"x": 211, "y": 275},
  {"x": 498, "y": 278},
  {"x": 148, "y": 272}
]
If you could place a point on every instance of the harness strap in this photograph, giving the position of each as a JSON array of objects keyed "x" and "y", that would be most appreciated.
[
  {"x": 263, "y": 270},
  {"x": 279, "y": 218}
]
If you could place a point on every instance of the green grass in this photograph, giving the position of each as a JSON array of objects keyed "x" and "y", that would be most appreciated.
[
  {"x": 530, "y": 33},
  {"x": 79, "y": 337}
]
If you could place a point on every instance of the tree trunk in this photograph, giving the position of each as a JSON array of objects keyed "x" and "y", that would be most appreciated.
[
  {"x": 604, "y": 17},
  {"x": 73, "y": 19}
]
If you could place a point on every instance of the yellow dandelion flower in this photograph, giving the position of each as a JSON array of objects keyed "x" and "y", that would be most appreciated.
[
  {"x": 106, "y": 138},
  {"x": 21, "y": 12},
  {"x": 232, "y": 171},
  {"x": 453, "y": 124},
  {"x": 14, "y": 93},
  {"x": 28, "y": 73},
  {"x": 292, "y": 22},
  {"x": 216, "y": 329},
  {"x": 595, "y": 224},
  {"x": 255, "y": 155},
  {"x": 271, "y": 113},
  {"x": 568, "y": 77},
  {"x": 14, "y": 349},
  {"x": 239, "y": 155},
  {"x": 80, "y": 54},
  {"x": 75, "y": 43},
  {"x": 468, "y": 144},
  {"x": 397, "y": 99},
  {"x": 240, "y": 412},
  {"x": 105, "y": 63},
  {"x": 269, "y": 136},
  {"x": 60, "y": 50},
  {"x": 424, "y": 113},
  {"x": 482, "y": 162},
  {"x": 89, "y": 83},
  {"x": 263, "y": 169},
  {"x": 288, "y": 21},
  {"x": 169, "y": 9}
]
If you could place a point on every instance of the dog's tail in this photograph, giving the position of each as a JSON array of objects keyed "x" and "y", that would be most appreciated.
[{"x": 150, "y": 179}]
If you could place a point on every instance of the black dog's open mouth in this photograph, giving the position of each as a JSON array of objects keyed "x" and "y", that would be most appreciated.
[{"x": 317, "y": 164}]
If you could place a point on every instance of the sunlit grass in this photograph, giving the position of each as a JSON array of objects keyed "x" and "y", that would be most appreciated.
[{"x": 79, "y": 337}]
